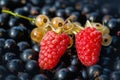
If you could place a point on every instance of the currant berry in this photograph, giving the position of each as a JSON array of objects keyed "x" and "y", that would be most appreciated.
[
  {"x": 105, "y": 30},
  {"x": 42, "y": 21},
  {"x": 68, "y": 28},
  {"x": 107, "y": 39},
  {"x": 37, "y": 34},
  {"x": 98, "y": 26},
  {"x": 57, "y": 22}
]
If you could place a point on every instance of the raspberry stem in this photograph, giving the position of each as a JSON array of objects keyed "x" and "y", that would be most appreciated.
[{"x": 18, "y": 15}]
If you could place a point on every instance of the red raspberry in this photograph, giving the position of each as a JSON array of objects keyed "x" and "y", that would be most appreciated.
[
  {"x": 88, "y": 46},
  {"x": 52, "y": 48}
]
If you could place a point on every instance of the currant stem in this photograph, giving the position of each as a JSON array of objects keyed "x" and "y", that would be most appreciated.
[{"x": 18, "y": 15}]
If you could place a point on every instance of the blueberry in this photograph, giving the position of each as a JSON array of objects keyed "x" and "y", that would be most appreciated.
[
  {"x": 74, "y": 60},
  {"x": 9, "y": 56},
  {"x": 113, "y": 25},
  {"x": 115, "y": 41},
  {"x": 84, "y": 74},
  {"x": 32, "y": 67},
  {"x": 69, "y": 10},
  {"x": 73, "y": 71},
  {"x": 18, "y": 33},
  {"x": 37, "y": 2},
  {"x": 2, "y": 72},
  {"x": 28, "y": 54},
  {"x": 2, "y": 52},
  {"x": 2, "y": 20},
  {"x": 49, "y": 2},
  {"x": 34, "y": 10},
  {"x": 94, "y": 16},
  {"x": 13, "y": 22},
  {"x": 117, "y": 65},
  {"x": 60, "y": 13},
  {"x": 76, "y": 14},
  {"x": 27, "y": 8},
  {"x": 23, "y": 76},
  {"x": 102, "y": 77},
  {"x": 109, "y": 51},
  {"x": 40, "y": 77},
  {"x": 4, "y": 3},
  {"x": 23, "y": 45},
  {"x": 20, "y": 11},
  {"x": 36, "y": 48},
  {"x": 106, "y": 71},
  {"x": 3, "y": 33},
  {"x": 62, "y": 74},
  {"x": 15, "y": 65},
  {"x": 106, "y": 19},
  {"x": 2, "y": 42},
  {"x": 88, "y": 8},
  {"x": 115, "y": 75},
  {"x": 94, "y": 71},
  {"x": 11, "y": 77},
  {"x": 106, "y": 62},
  {"x": 10, "y": 45},
  {"x": 45, "y": 10}
]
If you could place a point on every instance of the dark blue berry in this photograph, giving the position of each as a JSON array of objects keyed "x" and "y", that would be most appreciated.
[
  {"x": 15, "y": 65},
  {"x": 36, "y": 48},
  {"x": 74, "y": 60},
  {"x": 32, "y": 67},
  {"x": 115, "y": 75},
  {"x": 106, "y": 71},
  {"x": 84, "y": 74},
  {"x": 28, "y": 54},
  {"x": 60, "y": 13},
  {"x": 10, "y": 45},
  {"x": 106, "y": 19},
  {"x": 23, "y": 45},
  {"x": 2, "y": 72},
  {"x": 40, "y": 77},
  {"x": 3, "y": 33},
  {"x": 18, "y": 33},
  {"x": 9, "y": 56},
  {"x": 2, "y": 42},
  {"x": 117, "y": 65},
  {"x": 73, "y": 71},
  {"x": 62, "y": 74},
  {"x": 115, "y": 41},
  {"x": 23, "y": 76},
  {"x": 94, "y": 16},
  {"x": 102, "y": 77},
  {"x": 11, "y": 77},
  {"x": 37, "y": 2},
  {"x": 13, "y": 22},
  {"x": 68, "y": 11},
  {"x": 94, "y": 71},
  {"x": 88, "y": 8}
]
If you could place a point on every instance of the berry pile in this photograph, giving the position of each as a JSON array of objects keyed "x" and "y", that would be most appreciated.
[{"x": 59, "y": 40}]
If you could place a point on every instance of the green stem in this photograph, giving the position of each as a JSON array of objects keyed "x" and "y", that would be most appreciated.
[{"x": 18, "y": 15}]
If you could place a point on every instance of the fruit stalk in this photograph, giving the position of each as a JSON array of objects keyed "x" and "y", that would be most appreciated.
[{"x": 18, "y": 15}]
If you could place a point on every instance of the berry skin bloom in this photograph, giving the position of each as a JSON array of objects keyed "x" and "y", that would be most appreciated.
[
  {"x": 53, "y": 46},
  {"x": 88, "y": 46}
]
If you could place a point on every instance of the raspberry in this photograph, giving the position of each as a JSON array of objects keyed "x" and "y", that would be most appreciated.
[
  {"x": 88, "y": 46},
  {"x": 53, "y": 46}
]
